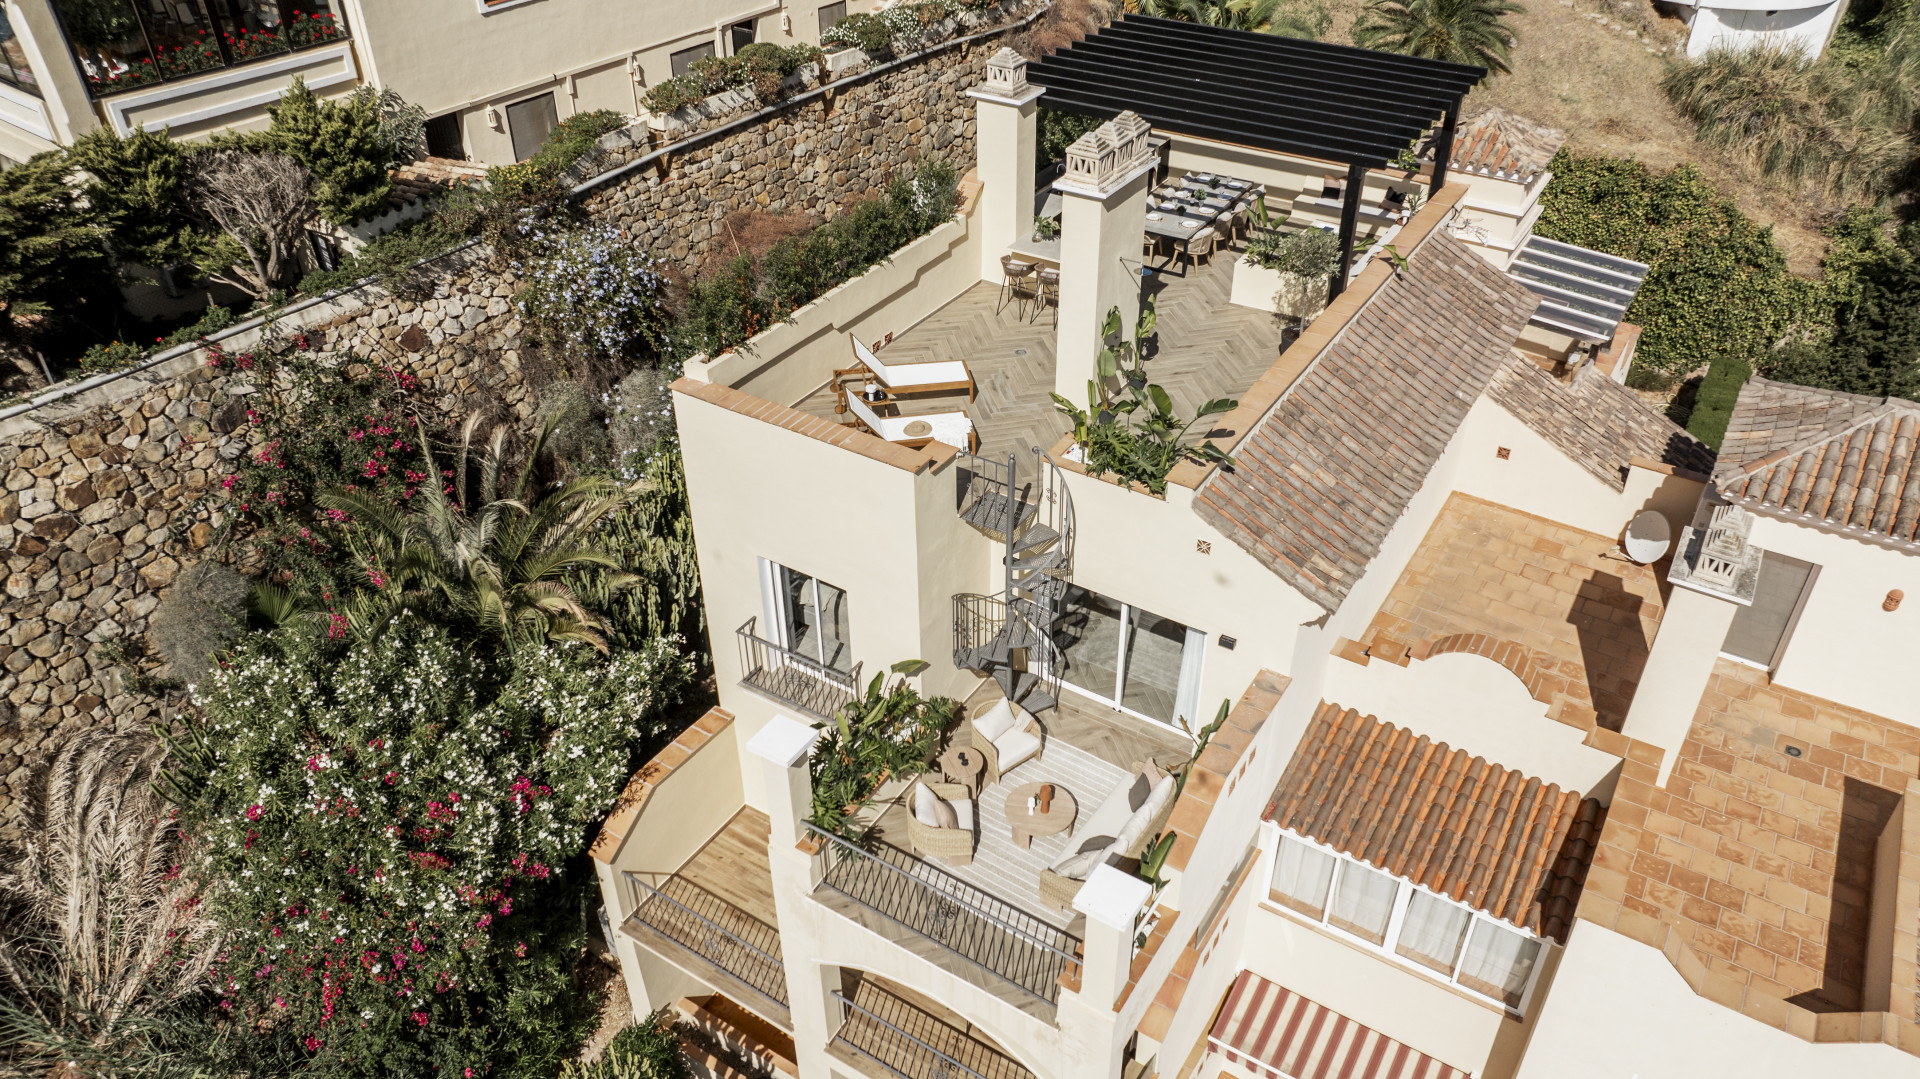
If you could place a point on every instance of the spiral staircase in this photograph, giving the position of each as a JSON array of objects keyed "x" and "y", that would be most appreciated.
[{"x": 1008, "y": 636}]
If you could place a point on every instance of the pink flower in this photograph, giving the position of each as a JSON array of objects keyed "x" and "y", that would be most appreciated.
[
  {"x": 254, "y": 812},
  {"x": 312, "y": 1043},
  {"x": 421, "y": 1018},
  {"x": 227, "y": 483}
]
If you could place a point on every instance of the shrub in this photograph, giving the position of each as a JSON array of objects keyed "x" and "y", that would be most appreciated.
[
  {"x": 592, "y": 290},
  {"x": 890, "y": 731},
  {"x": 1059, "y": 129},
  {"x": 391, "y": 258},
  {"x": 861, "y": 31},
  {"x": 1309, "y": 252},
  {"x": 672, "y": 95},
  {"x": 135, "y": 182},
  {"x": 651, "y": 537},
  {"x": 723, "y": 310},
  {"x": 51, "y": 242},
  {"x": 341, "y": 144},
  {"x": 199, "y": 616},
  {"x": 648, "y": 1049},
  {"x": 396, "y": 825},
  {"x": 117, "y": 355}
]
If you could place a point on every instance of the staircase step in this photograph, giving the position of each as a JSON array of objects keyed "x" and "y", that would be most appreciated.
[
  {"x": 1053, "y": 559},
  {"x": 1037, "y": 536},
  {"x": 988, "y": 513},
  {"x": 1038, "y": 700}
]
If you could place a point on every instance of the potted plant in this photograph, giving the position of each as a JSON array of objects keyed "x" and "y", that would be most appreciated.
[
  {"x": 1046, "y": 228},
  {"x": 890, "y": 730},
  {"x": 1287, "y": 274}
]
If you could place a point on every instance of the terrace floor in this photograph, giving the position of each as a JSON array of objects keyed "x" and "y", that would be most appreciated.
[
  {"x": 1206, "y": 348},
  {"x": 1586, "y": 619}
]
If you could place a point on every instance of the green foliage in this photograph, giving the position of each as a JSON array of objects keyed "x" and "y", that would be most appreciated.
[
  {"x": 1046, "y": 228},
  {"x": 589, "y": 290},
  {"x": 673, "y": 94},
  {"x": 341, "y": 144},
  {"x": 116, "y": 355},
  {"x": 649, "y": 1049},
  {"x": 396, "y": 824},
  {"x": 890, "y": 731},
  {"x": 1875, "y": 348},
  {"x": 1824, "y": 123},
  {"x": 728, "y": 307},
  {"x": 1717, "y": 284},
  {"x": 650, "y": 539},
  {"x": 1459, "y": 31},
  {"x": 762, "y": 67},
  {"x": 391, "y": 258},
  {"x": 1284, "y": 18},
  {"x": 134, "y": 182},
  {"x": 1137, "y": 436},
  {"x": 1309, "y": 252},
  {"x": 861, "y": 31},
  {"x": 52, "y": 243},
  {"x": 1059, "y": 129}
]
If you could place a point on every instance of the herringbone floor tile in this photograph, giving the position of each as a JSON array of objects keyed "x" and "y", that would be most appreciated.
[{"x": 1206, "y": 348}]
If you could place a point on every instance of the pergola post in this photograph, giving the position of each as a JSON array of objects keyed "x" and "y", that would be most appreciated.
[
  {"x": 1443, "y": 149},
  {"x": 1349, "y": 223}
]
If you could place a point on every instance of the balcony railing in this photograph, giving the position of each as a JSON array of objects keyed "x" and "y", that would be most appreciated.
[
  {"x": 912, "y": 1044},
  {"x": 989, "y": 933},
  {"x": 798, "y": 680},
  {"x": 713, "y": 929}
]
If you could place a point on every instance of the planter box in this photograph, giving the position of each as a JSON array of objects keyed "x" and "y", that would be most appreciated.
[{"x": 1282, "y": 293}]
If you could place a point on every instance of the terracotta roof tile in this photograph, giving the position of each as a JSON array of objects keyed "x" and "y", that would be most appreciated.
[
  {"x": 1502, "y": 144},
  {"x": 1484, "y": 835},
  {"x": 1840, "y": 457},
  {"x": 1329, "y": 470},
  {"x": 1598, "y": 423}
]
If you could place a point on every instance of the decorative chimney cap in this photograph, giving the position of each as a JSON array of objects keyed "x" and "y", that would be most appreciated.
[
  {"x": 1006, "y": 73},
  {"x": 1106, "y": 155},
  {"x": 1714, "y": 556}
]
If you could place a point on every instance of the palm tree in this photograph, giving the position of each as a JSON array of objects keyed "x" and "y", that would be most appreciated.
[
  {"x": 101, "y": 934},
  {"x": 1258, "y": 16},
  {"x": 464, "y": 553},
  {"x": 1460, "y": 31}
]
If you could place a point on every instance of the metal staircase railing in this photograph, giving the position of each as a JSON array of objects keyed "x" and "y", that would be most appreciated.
[{"x": 1009, "y": 636}]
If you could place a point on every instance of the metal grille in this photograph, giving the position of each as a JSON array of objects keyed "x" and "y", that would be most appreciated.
[
  {"x": 798, "y": 680},
  {"x": 912, "y": 1044},
  {"x": 713, "y": 929},
  {"x": 994, "y": 935}
]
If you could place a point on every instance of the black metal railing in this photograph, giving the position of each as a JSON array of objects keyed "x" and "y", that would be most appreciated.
[
  {"x": 786, "y": 675},
  {"x": 976, "y": 621},
  {"x": 911, "y": 1044},
  {"x": 713, "y": 929},
  {"x": 988, "y": 932}
]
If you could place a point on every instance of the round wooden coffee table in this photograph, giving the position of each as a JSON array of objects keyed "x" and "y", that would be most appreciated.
[
  {"x": 1026, "y": 825},
  {"x": 965, "y": 765}
]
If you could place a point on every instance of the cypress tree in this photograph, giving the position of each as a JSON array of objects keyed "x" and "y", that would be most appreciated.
[
  {"x": 135, "y": 185},
  {"x": 341, "y": 144}
]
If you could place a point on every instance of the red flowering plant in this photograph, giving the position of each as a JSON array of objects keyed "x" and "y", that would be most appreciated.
[
  {"x": 315, "y": 425},
  {"x": 397, "y": 825}
]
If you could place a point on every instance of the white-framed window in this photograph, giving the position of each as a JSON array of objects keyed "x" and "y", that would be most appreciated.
[
  {"x": 1129, "y": 657},
  {"x": 806, "y": 616},
  {"x": 1403, "y": 922}
]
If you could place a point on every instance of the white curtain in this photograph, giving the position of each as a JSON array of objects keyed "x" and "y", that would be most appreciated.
[
  {"x": 1301, "y": 875},
  {"x": 1363, "y": 903},
  {"x": 1188, "y": 702},
  {"x": 1498, "y": 962},
  {"x": 1430, "y": 933}
]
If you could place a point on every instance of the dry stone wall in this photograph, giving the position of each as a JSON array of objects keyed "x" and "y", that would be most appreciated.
[
  {"x": 811, "y": 158},
  {"x": 112, "y": 494}
]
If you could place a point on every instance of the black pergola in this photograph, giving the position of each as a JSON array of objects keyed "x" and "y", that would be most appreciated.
[{"x": 1352, "y": 107}]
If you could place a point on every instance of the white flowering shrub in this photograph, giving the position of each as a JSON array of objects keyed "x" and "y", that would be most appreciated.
[
  {"x": 594, "y": 290},
  {"x": 392, "y": 825}
]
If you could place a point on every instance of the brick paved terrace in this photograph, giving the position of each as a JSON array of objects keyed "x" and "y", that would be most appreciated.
[
  {"x": 1763, "y": 863},
  {"x": 1578, "y": 625}
]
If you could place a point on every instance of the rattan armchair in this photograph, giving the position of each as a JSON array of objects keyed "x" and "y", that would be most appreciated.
[{"x": 951, "y": 845}]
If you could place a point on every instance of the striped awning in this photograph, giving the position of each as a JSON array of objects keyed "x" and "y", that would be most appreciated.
[{"x": 1281, "y": 1033}]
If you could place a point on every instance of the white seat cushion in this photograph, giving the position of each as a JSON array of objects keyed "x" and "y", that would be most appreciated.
[
  {"x": 1136, "y": 826},
  {"x": 995, "y": 721},
  {"x": 1016, "y": 747},
  {"x": 963, "y": 810},
  {"x": 918, "y": 374}
]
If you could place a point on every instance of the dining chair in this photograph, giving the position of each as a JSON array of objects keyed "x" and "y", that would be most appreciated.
[
  {"x": 1199, "y": 247},
  {"x": 1015, "y": 280},
  {"x": 1047, "y": 293},
  {"x": 1242, "y": 219}
]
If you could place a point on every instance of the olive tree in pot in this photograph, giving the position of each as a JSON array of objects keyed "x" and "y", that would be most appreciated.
[{"x": 1288, "y": 274}]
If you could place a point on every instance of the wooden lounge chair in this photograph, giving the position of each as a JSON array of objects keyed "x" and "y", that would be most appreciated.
[
  {"x": 952, "y": 428},
  {"x": 901, "y": 379}
]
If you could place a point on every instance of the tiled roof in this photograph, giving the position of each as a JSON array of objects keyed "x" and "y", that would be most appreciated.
[
  {"x": 430, "y": 177},
  {"x": 1323, "y": 478},
  {"x": 1595, "y": 421},
  {"x": 1476, "y": 832},
  {"x": 1503, "y": 144},
  {"x": 1838, "y": 457}
]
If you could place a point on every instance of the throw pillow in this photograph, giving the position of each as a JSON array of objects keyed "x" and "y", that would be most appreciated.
[
  {"x": 924, "y": 803},
  {"x": 1079, "y": 866},
  {"x": 943, "y": 814},
  {"x": 995, "y": 721}
]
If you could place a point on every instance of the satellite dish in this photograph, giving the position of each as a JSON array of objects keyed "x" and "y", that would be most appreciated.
[{"x": 1648, "y": 537}]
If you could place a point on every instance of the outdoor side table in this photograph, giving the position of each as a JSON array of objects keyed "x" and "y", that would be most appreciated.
[
  {"x": 1027, "y": 825},
  {"x": 964, "y": 765}
]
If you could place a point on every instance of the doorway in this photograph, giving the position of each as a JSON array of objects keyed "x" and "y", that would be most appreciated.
[{"x": 1129, "y": 657}]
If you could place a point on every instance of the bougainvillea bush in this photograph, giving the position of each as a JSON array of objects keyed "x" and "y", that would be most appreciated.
[{"x": 397, "y": 827}]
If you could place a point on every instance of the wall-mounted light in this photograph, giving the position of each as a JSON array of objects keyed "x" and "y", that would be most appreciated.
[
  {"x": 786, "y": 23},
  {"x": 493, "y": 117}
]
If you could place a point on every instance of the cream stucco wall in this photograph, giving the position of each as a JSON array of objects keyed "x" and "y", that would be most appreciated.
[
  {"x": 1472, "y": 703},
  {"x": 686, "y": 809},
  {"x": 1619, "y": 1010},
  {"x": 1845, "y": 648}
]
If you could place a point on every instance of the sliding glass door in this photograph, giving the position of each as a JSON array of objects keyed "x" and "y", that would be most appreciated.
[
  {"x": 1130, "y": 657},
  {"x": 810, "y": 617}
]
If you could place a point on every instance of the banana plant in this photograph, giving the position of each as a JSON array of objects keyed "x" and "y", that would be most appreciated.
[{"x": 1155, "y": 860}]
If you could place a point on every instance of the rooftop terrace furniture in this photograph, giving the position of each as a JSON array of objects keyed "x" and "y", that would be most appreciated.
[
  {"x": 1048, "y": 293},
  {"x": 946, "y": 376},
  {"x": 1117, "y": 833},
  {"x": 951, "y": 428},
  {"x": 940, "y": 822},
  {"x": 1016, "y": 277},
  {"x": 1008, "y": 735}
]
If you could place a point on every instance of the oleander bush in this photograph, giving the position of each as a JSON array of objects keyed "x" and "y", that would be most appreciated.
[{"x": 396, "y": 824}]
